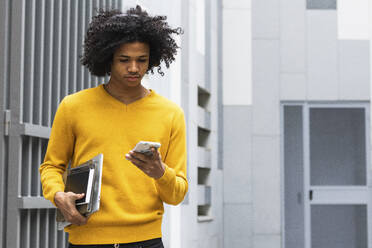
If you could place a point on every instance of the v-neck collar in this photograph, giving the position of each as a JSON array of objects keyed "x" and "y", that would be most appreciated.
[{"x": 118, "y": 103}]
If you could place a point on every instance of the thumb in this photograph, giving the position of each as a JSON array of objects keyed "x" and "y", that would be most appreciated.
[
  {"x": 156, "y": 153},
  {"x": 78, "y": 196}
]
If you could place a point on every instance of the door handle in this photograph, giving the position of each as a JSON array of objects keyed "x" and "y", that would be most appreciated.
[{"x": 311, "y": 195}]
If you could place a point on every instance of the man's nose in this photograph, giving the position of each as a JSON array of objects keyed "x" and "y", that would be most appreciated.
[{"x": 133, "y": 67}]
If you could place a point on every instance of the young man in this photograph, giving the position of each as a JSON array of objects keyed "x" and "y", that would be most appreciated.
[{"x": 111, "y": 119}]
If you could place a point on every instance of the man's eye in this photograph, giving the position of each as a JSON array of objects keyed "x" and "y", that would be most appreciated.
[
  {"x": 123, "y": 60},
  {"x": 142, "y": 60}
]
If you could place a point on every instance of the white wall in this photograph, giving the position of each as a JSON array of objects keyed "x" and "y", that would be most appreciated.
[
  {"x": 237, "y": 53},
  {"x": 238, "y": 124}
]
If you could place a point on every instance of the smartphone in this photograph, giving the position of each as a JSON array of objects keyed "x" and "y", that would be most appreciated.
[{"x": 145, "y": 147}]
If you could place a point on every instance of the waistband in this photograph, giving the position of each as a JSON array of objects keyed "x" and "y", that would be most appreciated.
[{"x": 140, "y": 244}]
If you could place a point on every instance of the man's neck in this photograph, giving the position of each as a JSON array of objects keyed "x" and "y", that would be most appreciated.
[{"x": 126, "y": 95}]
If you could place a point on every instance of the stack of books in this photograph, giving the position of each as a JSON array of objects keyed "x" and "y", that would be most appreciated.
[{"x": 85, "y": 178}]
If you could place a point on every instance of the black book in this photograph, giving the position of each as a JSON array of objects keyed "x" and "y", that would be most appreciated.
[
  {"x": 79, "y": 180},
  {"x": 85, "y": 178}
]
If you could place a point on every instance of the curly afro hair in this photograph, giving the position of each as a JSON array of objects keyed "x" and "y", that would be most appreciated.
[{"x": 111, "y": 28}]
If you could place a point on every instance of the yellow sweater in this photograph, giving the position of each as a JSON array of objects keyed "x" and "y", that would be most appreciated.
[{"x": 91, "y": 122}]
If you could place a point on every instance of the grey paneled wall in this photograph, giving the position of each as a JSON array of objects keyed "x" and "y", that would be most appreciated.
[
  {"x": 40, "y": 47},
  {"x": 54, "y": 32}
]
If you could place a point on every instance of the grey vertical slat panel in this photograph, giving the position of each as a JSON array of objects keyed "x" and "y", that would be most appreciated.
[
  {"x": 57, "y": 61},
  {"x": 65, "y": 48},
  {"x": 35, "y": 162},
  {"x": 60, "y": 238},
  {"x": 27, "y": 164},
  {"x": 38, "y": 154},
  {"x": 26, "y": 190},
  {"x": 47, "y": 228},
  {"x": 37, "y": 228},
  {"x": 80, "y": 32},
  {"x": 3, "y": 188},
  {"x": 4, "y": 104},
  {"x": 4, "y": 12},
  {"x": 33, "y": 228},
  {"x": 16, "y": 89},
  {"x": 26, "y": 154},
  {"x": 39, "y": 61},
  {"x": 43, "y": 233},
  {"x": 48, "y": 63},
  {"x": 39, "y": 159},
  {"x": 35, "y": 225},
  {"x": 29, "y": 61},
  {"x": 27, "y": 225},
  {"x": 73, "y": 46},
  {"x": 52, "y": 229},
  {"x": 24, "y": 228}
]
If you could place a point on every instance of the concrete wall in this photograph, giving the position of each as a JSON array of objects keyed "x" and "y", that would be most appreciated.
[
  {"x": 237, "y": 125},
  {"x": 265, "y": 131}
]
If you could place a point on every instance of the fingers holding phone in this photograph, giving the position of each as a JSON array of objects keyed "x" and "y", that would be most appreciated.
[{"x": 147, "y": 158}]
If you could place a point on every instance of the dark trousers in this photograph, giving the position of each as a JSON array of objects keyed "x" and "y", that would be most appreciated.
[{"x": 152, "y": 243}]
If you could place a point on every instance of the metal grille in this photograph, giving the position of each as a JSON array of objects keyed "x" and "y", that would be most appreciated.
[
  {"x": 54, "y": 33},
  {"x": 38, "y": 229},
  {"x": 40, "y": 47},
  {"x": 4, "y": 104}
]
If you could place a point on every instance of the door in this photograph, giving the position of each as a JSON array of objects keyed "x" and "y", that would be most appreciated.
[{"x": 326, "y": 153}]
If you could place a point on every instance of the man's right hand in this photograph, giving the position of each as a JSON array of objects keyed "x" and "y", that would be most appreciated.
[{"x": 65, "y": 201}]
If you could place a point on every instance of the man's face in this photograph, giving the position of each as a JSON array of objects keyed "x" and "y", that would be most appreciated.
[{"x": 130, "y": 63}]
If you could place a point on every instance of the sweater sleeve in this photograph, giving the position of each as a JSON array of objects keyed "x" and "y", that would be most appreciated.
[
  {"x": 58, "y": 154},
  {"x": 172, "y": 186}
]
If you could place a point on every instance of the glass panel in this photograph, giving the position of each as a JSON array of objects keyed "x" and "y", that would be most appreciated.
[
  {"x": 337, "y": 146},
  {"x": 341, "y": 226},
  {"x": 293, "y": 177}
]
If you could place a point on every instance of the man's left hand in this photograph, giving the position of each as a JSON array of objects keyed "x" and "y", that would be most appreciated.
[{"x": 150, "y": 164}]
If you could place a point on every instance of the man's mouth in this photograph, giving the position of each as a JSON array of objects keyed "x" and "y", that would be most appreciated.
[{"x": 132, "y": 78}]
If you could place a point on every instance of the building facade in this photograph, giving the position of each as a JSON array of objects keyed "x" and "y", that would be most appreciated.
[
  {"x": 276, "y": 95},
  {"x": 311, "y": 171}
]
